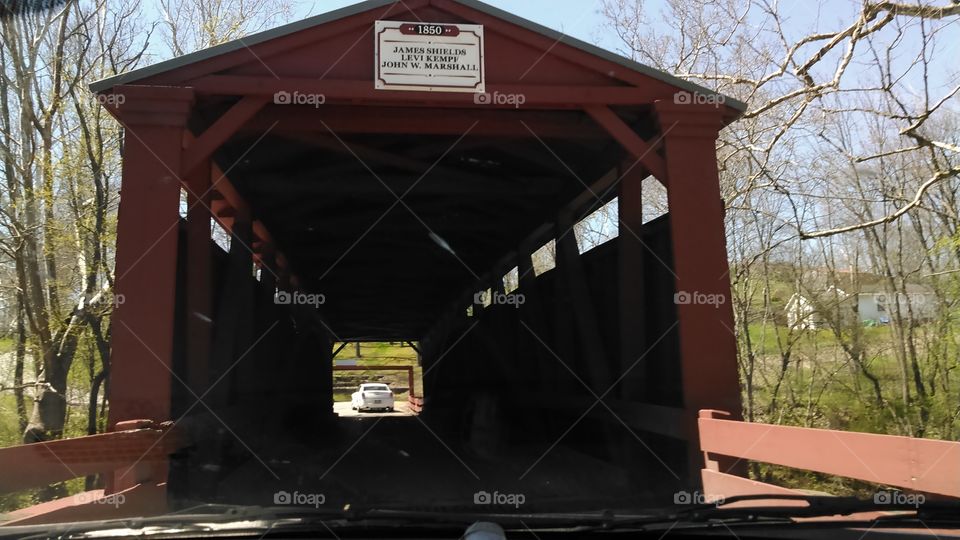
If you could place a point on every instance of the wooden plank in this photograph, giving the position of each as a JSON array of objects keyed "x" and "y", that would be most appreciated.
[
  {"x": 362, "y": 92},
  {"x": 923, "y": 465},
  {"x": 39, "y": 464},
  {"x": 147, "y": 499}
]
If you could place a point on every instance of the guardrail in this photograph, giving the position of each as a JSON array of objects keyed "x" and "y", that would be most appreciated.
[
  {"x": 416, "y": 403},
  {"x": 917, "y": 465},
  {"x": 133, "y": 459}
]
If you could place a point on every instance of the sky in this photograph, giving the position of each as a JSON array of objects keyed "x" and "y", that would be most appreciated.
[
  {"x": 577, "y": 18},
  {"x": 582, "y": 19}
]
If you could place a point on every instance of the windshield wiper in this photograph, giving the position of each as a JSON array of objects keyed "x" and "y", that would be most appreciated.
[
  {"x": 268, "y": 519},
  {"x": 265, "y": 519},
  {"x": 816, "y": 506}
]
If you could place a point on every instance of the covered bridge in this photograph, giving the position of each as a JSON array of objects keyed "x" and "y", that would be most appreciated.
[{"x": 365, "y": 206}]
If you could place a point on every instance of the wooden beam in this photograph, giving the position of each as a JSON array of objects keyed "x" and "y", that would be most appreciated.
[
  {"x": 631, "y": 253},
  {"x": 199, "y": 298},
  {"x": 362, "y": 92},
  {"x": 219, "y": 132},
  {"x": 340, "y": 348},
  {"x": 592, "y": 348},
  {"x": 36, "y": 465},
  {"x": 626, "y": 136},
  {"x": 453, "y": 122},
  {"x": 708, "y": 347},
  {"x": 146, "y": 255},
  {"x": 532, "y": 314}
]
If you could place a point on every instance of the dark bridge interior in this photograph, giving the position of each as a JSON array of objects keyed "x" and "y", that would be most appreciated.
[{"x": 392, "y": 228}]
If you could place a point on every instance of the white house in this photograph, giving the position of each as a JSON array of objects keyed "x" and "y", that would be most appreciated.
[{"x": 872, "y": 304}]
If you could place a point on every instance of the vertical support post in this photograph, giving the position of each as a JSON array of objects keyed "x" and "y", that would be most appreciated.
[
  {"x": 199, "y": 278},
  {"x": 708, "y": 353},
  {"x": 411, "y": 391},
  {"x": 143, "y": 324},
  {"x": 632, "y": 295},
  {"x": 532, "y": 315},
  {"x": 592, "y": 349},
  {"x": 234, "y": 323}
]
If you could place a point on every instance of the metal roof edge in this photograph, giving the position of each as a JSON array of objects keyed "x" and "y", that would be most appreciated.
[{"x": 237, "y": 44}]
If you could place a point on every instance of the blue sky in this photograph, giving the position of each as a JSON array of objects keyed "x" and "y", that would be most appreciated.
[
  {"x": 582, "y": 19},
  {"x": 578, "y": 18}
]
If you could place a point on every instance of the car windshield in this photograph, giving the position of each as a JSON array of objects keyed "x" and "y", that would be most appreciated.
[{"x": 439, "y": 256}]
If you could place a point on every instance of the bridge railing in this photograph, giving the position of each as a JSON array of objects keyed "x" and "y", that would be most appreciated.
[
  {"x": 133, "y": 460},
  {"x": 912, "y": 464}
]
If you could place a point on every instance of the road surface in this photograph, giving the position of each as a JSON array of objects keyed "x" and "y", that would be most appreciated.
[{"x": 343, "y": 410}]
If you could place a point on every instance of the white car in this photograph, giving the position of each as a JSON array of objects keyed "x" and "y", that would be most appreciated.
[{"x": 372, "y": 396}]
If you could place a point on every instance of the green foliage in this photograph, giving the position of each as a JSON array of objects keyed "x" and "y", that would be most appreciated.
[{"x": 376, "y": 353}]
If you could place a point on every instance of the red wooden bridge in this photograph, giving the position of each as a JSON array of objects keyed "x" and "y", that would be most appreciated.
[{"x": 377, "y": 215}]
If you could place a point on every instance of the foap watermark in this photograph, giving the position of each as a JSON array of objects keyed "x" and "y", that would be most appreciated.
[
  {"x": 501, "y": 499},
  {"x": 499, "y": 298},
  {"x": 498, "y": 98},
  {"x": 116, "y": 299},
  {"x": 696, "y": 497},
  {"x": 109, "y": 100},
  {"x": 114, "y": 499},
  {"x": 297, "y": 298},
  {"x": 899, "y": 498},
  {"x": 300, "y": 499},
  {"x": 296, "y": 98},
  {"x": 699, "y": 298},
  {"x": 696, "y": 98}
]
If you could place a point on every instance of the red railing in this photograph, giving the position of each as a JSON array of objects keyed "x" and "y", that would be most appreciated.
[
  {"x": 133, "y": 460},
  {"x": 416, "y": 404},
  {"x": 912, "y": 464}
]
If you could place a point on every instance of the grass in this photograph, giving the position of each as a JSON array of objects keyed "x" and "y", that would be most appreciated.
[{"x": 376, "y": 354}]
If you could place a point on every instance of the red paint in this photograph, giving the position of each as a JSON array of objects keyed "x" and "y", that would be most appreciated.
[
  {"x": 923, "y": 465},
  {"x": 142, "y": 325}
]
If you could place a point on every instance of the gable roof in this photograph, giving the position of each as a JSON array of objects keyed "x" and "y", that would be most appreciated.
[{"x": 367, "y": 5}]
